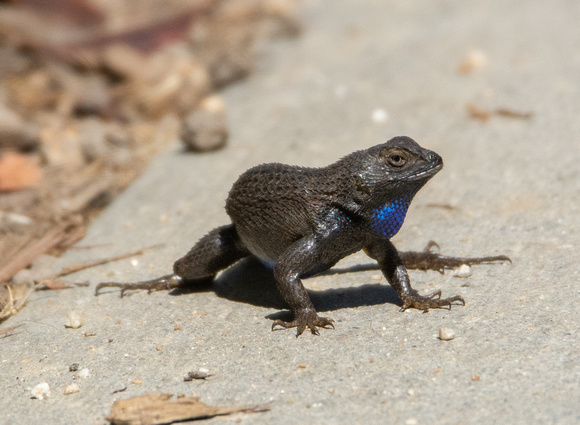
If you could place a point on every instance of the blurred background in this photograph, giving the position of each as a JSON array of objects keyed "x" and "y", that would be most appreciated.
[{"x": 90, "y": 90}]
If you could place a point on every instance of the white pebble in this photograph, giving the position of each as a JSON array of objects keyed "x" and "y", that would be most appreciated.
[
  {"x": 83, "y": 373},
  {"x": 463, "y": 271},
  {"x": 71, "y": 389},
  {"x": 41, "y": 391},
  {"x": 380, "y": 115},
  {"x": 446, "y": 334},
  {"x": 74, "y": 320}
]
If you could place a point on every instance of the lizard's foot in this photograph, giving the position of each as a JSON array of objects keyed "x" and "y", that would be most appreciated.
[
  {"x": 305, "y": 318},
  {"x": 433, "y": 300},
  {"x": 163, "y": 283},
  {"x": 429, "y": 260}
]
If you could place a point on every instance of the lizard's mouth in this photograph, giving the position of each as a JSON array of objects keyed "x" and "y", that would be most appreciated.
[{"x": 429, "y": 171}]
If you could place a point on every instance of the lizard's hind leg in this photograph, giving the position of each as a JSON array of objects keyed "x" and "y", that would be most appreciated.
[
  {"x": 429, "y": 260},
  {"x": 216, "y": 251}
]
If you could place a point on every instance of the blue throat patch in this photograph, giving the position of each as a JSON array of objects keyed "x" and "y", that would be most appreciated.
[{"x": 388, "y": 219}]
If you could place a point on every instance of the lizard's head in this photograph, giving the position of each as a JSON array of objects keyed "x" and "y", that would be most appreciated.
[
  {"x": 402, "y": 159},
  {"x": 395, "y": 169},
  {"x": 386, "y": 177}
]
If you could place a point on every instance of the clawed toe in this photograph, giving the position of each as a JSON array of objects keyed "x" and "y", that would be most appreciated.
[
  {"x": 432, "y": 300},
  {"x": 302, "y": 321},
  {"x": 430, "y": 245}
]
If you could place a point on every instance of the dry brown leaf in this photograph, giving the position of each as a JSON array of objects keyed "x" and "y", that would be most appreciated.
[
  {"x": 55, "y": 284},
  {"x": 159, "y": 409},
  {"x": 482, "y": 114},
  {"x": 17, "y": 171},
  {"x": 510, "y": 113},
  {"x": 477, "y": 112}
]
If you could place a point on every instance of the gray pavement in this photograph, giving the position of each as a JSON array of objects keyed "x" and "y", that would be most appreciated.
[{"x": 361, "y": 73}]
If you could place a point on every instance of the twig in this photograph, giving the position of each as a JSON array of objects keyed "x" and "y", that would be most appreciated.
[
  {"x": 5, "y": 333},
  {"x": 94, "y": 263},
  {"x": 31, "y": 250}
]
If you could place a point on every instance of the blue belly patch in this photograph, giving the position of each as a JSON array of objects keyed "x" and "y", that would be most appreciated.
[{"x": 388, "y": 219}]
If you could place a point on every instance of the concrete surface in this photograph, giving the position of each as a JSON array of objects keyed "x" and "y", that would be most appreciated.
[{"x": 514, "y": 185}]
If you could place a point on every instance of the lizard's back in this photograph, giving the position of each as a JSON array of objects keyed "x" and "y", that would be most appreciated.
[{"x": 274, "y": 205}]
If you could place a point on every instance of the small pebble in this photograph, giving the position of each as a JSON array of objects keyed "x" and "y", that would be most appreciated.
[
  {"x": 201, "y": 374},
  {"x": 74, "y": 320},
  {"x": 73, "y": 367},
  {"x": 71, "y": 389},
  {"x": 205, "y": 129},
  {"x": 474, "y": 59},
  {"x": 41, "y": 391},
  {"x": 83, "y": 373},
  {"x": 463, "y": 271},
  {"x": 446, "y": 334},
  {"x": 380, "y": 115}
]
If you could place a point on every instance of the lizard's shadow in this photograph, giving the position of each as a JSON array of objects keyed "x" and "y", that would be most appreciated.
[{"x": 250, "y": 282}]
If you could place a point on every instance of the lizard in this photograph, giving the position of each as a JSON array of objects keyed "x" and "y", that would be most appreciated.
[{"x": 301, "y": 221}]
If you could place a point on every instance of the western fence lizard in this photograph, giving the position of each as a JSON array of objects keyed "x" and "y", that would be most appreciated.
[{"x": 302, "y": 221}]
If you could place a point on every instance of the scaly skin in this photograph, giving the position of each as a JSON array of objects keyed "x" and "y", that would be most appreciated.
[{"x": 302, "y": 221}]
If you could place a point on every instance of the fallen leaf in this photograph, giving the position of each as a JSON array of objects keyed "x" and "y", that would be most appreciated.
[
  {"x": 477, "y": 112},
  {"x": 55, "y": 284},
  {"x": 156, "y": 409},
  {"x": 510, "y": 113},
  {"x": 17, "y": 171},
  {"x": 485, "y": 114}
]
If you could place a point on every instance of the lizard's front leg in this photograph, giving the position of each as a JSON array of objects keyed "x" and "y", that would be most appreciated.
[
  {"x": 298, "y": 260},
  {"x": 392, "y": 267}
]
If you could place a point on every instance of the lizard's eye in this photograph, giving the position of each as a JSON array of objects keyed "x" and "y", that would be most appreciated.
[{"x": 397, "y": 160}]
